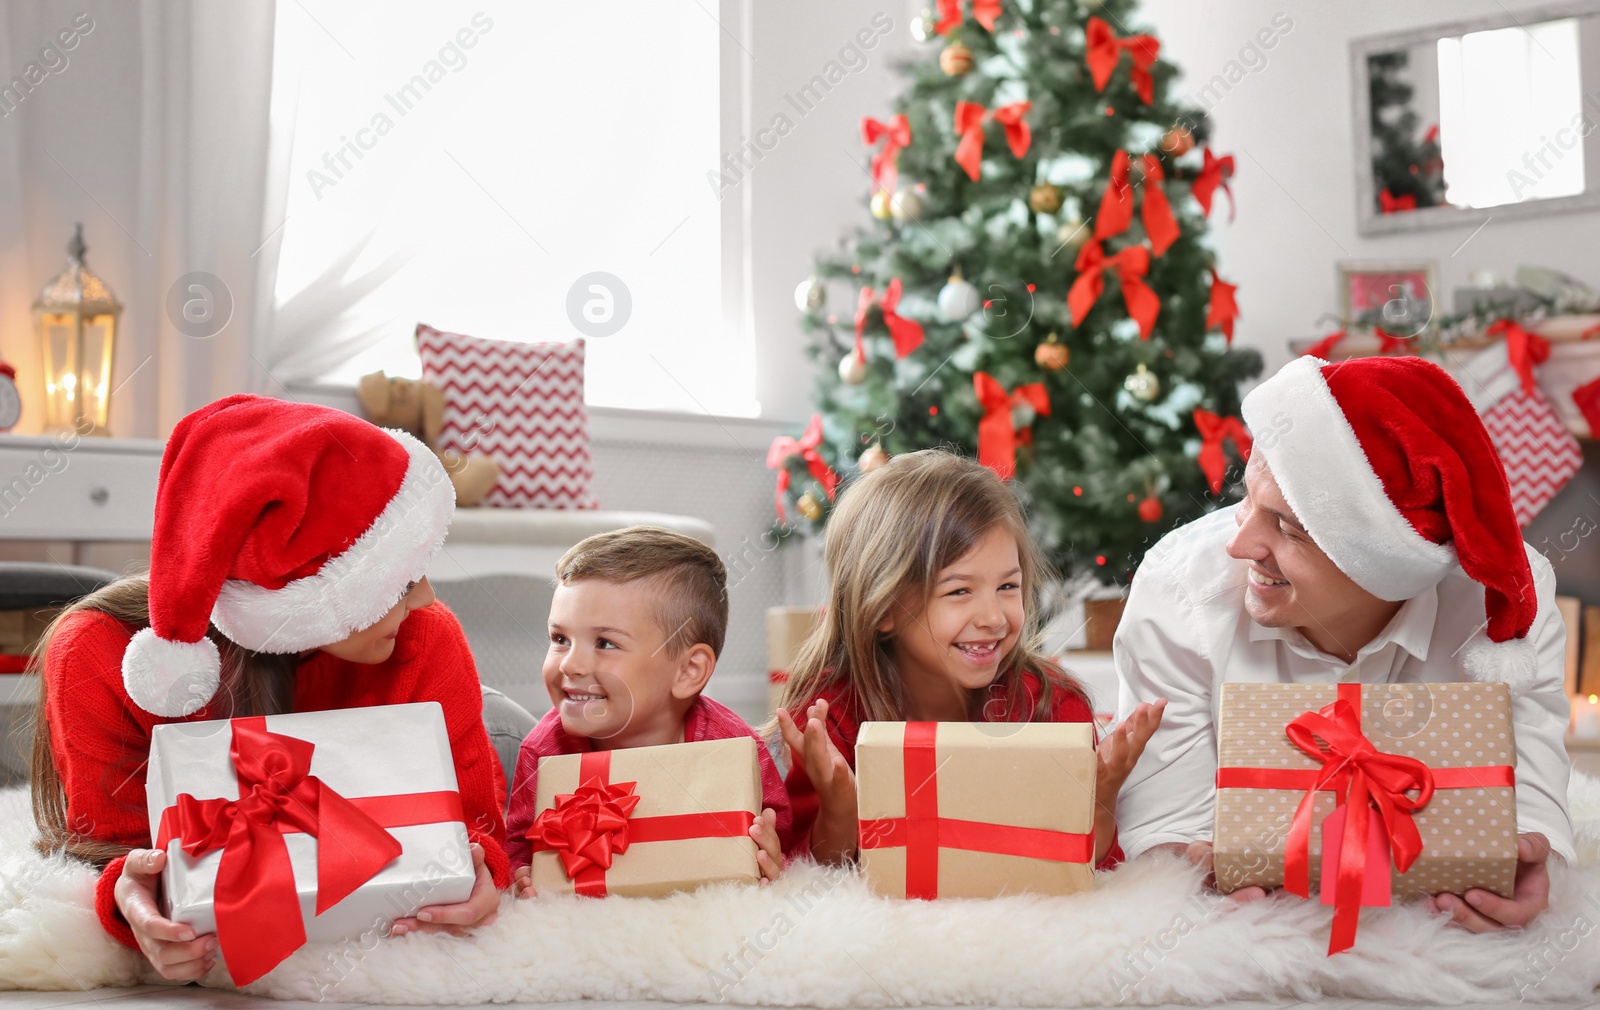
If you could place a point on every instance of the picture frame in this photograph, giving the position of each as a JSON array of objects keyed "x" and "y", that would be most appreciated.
[{"x": 1400, "y": 296}]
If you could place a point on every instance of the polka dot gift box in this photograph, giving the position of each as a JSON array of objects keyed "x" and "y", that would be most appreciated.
[{"x": 1365, "y": 794}]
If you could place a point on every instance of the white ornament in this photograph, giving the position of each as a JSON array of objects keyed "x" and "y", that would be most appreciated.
[
  {"x": 958, "y": 299},
  {"x": 811, "y": 295},
  {"x": 852, "y": 369},
  {"x": 906, "y": 205}
]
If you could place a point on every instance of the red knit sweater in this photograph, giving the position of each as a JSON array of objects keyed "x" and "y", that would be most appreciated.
[{"x": 101, "y": 740}]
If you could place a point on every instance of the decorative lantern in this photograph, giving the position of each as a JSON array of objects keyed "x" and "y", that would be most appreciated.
[{"x": 75, "y": 317}]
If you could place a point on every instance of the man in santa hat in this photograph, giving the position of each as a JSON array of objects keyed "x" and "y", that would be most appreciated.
[{"x": 1376, "y": 544}]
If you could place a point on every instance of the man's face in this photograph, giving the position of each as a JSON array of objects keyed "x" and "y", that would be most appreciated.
[{"x": 1291, "y": 582}]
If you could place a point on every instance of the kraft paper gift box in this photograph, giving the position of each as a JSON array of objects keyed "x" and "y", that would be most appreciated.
[
  {"x": 647, "y": 821},
  {"x": 787, "y": 630},
  {"x": 976, "y": 810},
  {"x": 1456, "y": 737},
  {"x": 376, "y": 787}
]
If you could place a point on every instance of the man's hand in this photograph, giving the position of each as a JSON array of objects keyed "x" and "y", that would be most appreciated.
[
  {"x": 480, "y": 908},
  {"x": 172, "y": 948},
  {"x": 1486, "y": 912}
]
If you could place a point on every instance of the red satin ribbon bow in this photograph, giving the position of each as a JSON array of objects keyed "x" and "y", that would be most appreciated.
[
  {"x": 1224, "y": 307},
  {"x": 997, "y": 438},
  {"x": 1159, "y": 223},
  {"x": 969, "y": 125},
  {"x": 1130, "y": 265},
  {"x": 1392, "y": 204},
  {"x": 1116, "y": 205},
  {"x": 983, "y": 11},
  {"x": 1104, "y": 49},
  {"x": 257, "y": 908},
  {"x": 783, "y": 447},
  {"x": 1214, "y": 431},
  {"x": 596, "y": 824},
  {"x": 1524, "y": 350},
  {"x": 1391, "y": 343},
  {"x": 1324, "y": 347},
  {"x": 907, "y": 333},
  {"x": 1214, "y": 173},
  {"x": 922, "y": 832},
  {"x": 895, "y": 134}
]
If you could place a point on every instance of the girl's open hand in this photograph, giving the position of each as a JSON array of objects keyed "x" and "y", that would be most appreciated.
[
  {"x": 171, "y": 947},
  {"x": 812, "y": 748},
  {"x": 1120, "y": 748},
  {"x": 769, "y": 851}
]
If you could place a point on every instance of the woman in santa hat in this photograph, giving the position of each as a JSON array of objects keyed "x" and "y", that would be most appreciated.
[{"x": 286, "y": 575}]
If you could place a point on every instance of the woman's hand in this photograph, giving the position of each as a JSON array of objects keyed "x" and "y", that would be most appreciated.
[
  {"x": 769, "y": 851},
  {"x": 833, "y": 836},
  {"x": 172, "y": 948},
  {"x": 1481, "y": 911},
  {"x": 479, "y": 909}
]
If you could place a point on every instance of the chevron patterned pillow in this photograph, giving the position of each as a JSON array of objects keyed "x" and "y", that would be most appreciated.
[{"x": 522, "y": 405}]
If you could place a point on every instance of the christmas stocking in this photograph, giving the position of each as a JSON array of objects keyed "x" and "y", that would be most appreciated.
[{"x": 1539, "y": 452}]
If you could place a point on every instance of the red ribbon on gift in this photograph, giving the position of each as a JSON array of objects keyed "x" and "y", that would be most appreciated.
[
  {"x": 1214, "y": 431},
  {"x": 1523, "y": 349},
  {"x": 1130, "y": 265},
  {"x": 257, "y": 907},
  {"x": 895, "y": 134},
  {"x": 907, "y": 333},
  {"x": 997, "y": 438},
  {"x": 1103, "y": 49},
  {"x": 783, "y": 447},
  {"x": 1224, "y": 307},
  {"x": 590, "y": 827},
  {"x": 1392, "y": 204},
  {"x": 969, "y": 126},
  {"x": 1214, "y": 173},
  {"x": 1362, "y": 779},
  {"x": 922, "y": 832},
  {"x": 1324, "y": 347},
  {"x": 983, "y": 11}
]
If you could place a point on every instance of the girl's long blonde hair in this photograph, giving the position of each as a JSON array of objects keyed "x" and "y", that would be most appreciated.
[
  {"x": 253, "y": 683},
  {"x": 892, "y": 532}
]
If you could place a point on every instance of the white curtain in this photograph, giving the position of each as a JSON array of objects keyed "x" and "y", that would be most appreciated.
[{"x": 154, "y": 133}]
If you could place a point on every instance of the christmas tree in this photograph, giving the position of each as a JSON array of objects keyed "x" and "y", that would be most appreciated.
[
  {"x": 1036, "y": 288},
  {"x": 1407, "y": 172}
]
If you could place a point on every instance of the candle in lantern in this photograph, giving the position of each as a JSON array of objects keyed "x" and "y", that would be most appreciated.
[{"x": 1586, "y": 718}]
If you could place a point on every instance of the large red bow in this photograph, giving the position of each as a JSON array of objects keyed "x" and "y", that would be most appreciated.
[
  {"x": 907, "y": 333},
  {"x": 997, "y": 437},
  {"x": 1104, "y": 49},
  {"x": 1130, "y": 265},
  {"x": 1393, "y": 204},
  {"x": 587, "y": 827},
  {"x": 1116, "y": 206},
  {"x": 258, "y": 910},
  {"x": 1214, "y": 173},
  {"x": 983, "y": 11},
  {"x": 783, "y": 447},
  {"x": 1159, "y": 223},
  {"x": 895, "y": 134},
  {"x": 1524, "y": 350},
  {"x": 1324, "y": 347},
  {"x": 969, "y": 125},
  {"x": 1213, "y": 431},
  {"x": 1224, "y": 307},
  {"x": 1362, "y": 778}
]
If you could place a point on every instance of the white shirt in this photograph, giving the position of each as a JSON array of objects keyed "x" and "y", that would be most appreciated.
[{"x": 1185, "y": 631}]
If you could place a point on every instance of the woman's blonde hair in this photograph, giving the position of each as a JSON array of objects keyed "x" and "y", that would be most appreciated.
[
  {"x": 891, "y": 533},
  {"x": 252, "y": 684}
]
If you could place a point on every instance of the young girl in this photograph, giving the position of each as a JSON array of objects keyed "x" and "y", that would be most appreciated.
[
  {"x": 930, "y": 617},
  {"x": 286, "y": 575}
]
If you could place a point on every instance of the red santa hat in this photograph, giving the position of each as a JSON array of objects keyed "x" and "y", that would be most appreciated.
[
  {"x": 287, "y": 526},
  {"x": 1389, "y": 469}
]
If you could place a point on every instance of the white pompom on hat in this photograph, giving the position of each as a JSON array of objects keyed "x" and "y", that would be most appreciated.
[{"x": 287, "y": 526}]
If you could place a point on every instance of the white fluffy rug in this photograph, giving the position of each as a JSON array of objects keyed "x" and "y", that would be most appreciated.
[{"x": 1147, "y": 935}]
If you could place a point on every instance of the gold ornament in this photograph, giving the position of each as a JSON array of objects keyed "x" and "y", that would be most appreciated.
[
  {"x": 956, "y": 59},
  {"x": 1177, "y": 141},
  {"x": 809, "y": 506},
  {"x": 1073, "y": 233},
  {"x": 872, "y": 457},
  {"x": 906, "y": 204},
  {"x": 1052, "y": 355},
  {"x": 1143, "y": 385},
  {"x": 1045, "y": 198},
  {"x": 880, "y": 206},
  {"x": 852, "y": 369}
]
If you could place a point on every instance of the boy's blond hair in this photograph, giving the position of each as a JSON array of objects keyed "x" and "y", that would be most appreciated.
[{"x": 689, "y": 580}]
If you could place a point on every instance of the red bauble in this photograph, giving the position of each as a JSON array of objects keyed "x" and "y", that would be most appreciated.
[{"x": 1150, "y": 509}]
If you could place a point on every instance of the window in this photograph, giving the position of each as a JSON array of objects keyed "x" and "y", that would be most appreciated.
[{"x": 465, "y": 167}]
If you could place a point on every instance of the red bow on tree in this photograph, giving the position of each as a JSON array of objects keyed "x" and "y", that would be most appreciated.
[
  {"x": 587, "y": 827},
  {"x": 783, "y": 447},
  {"x": 1159, "y": 223},
  {"x": 983, "y": 11},
  {"x": 1224, "y": 307},
  {"x": 1213, "y": 431},
  {"x": 969, "y": 125},
  {"x": 258, "y": 910},
  {"x": 1214, "y": 172},
  {"x": 998, "y": 438},
  {"x": 1523, "y": 349},
  {"x": 1130, "y": 265},
  {"x": 1391, "y": 343},
  {"x": 1104, "y": 49},
  {"x": 895, "y": 134},
  {"x": 1392, "y": 204},
  {"x": 1324, "y": 347},
  {"x": 1116, "y": 206},
  {"x": 1593, "y": 331},
  {"x": 907, "y": 333}
]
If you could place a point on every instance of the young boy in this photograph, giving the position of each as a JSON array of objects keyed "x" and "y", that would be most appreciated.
[{"x": 636, "y": 624}]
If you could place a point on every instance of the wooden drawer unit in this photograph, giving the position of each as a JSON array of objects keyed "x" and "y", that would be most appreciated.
[{"x": 77, "y": 489}]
